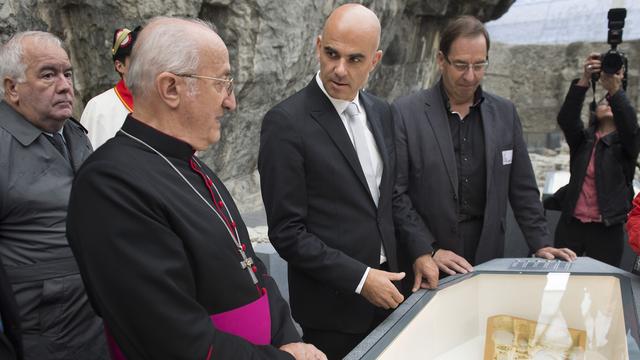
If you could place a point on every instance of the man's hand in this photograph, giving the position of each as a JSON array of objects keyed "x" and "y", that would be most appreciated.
[
  {"x": 379, "y": 290},
  {"x": 551, "y": 253},
  {"x": 426, "y": 273},
  {"x": 302, "y": 351},
  {"x": 451, "y": 263}
]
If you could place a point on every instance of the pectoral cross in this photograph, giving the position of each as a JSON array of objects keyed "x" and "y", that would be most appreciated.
[{"x": 247, "y": 263}]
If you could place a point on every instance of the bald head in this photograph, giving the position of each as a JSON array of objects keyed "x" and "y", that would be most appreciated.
[
  {"x": 348, "y": 50},
  {"x": 354, "y": 20}
]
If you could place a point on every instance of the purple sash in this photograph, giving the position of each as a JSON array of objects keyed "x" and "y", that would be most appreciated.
[{"x": 251, "y": 322}]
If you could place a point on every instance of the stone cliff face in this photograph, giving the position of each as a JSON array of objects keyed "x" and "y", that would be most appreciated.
[{"x": 271, "y": 45}]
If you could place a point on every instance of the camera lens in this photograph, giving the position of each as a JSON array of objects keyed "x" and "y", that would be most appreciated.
[{"x": 612, "y": 62}]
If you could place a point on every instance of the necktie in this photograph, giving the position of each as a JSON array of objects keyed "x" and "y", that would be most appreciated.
[
  {"x": 58, "y": 142},
  {"x": 358, "y": 130}
]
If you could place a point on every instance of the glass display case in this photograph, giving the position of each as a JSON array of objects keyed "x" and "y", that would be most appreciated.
[{"x": 515, "y": 309}]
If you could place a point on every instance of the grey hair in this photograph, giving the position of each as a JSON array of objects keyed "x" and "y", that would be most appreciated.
[
  {"x": 161, "y": 48},
  {"x": 12, "y": 63}
]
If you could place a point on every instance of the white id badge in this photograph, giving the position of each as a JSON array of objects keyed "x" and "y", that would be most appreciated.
[{"x": 507, "y": 157}]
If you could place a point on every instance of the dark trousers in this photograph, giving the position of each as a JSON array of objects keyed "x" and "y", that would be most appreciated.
[
  {"x": 604, "y": 243},
  {"x": 470, "y": 231},
  {"x": 58, "y": 322},
  {"x": 335, "y": 344}
]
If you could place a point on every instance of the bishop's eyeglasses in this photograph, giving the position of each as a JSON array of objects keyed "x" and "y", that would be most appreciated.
[
  {"x": 463, "y": 66},
  {"x": 228, "y": 82}
]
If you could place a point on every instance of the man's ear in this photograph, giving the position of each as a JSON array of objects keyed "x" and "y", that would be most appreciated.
[
  {"x": 376, "y": 59},
  {"x": 10, "y": 90},
  {"x": 440, "y": 60},
  {"x": 119, "y": 66},
  {"x": 169, "y": 87},
  {"x": 318, "y": 46}
]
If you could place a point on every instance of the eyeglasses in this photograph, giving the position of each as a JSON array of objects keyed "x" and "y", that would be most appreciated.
[
  {"x": 463, "y": 66},
  {"x": 228, "y": 82}
]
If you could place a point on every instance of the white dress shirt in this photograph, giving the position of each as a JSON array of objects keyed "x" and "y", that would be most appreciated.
[{"x": 374, "y": 154}]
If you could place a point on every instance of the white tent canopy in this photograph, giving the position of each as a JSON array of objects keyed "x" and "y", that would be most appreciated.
[{"x": 562, "y": 21}]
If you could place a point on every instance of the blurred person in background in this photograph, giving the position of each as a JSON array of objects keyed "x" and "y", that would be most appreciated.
[
  {"x": 104, "y": 114},
  {"x": 603, "y": 155}
]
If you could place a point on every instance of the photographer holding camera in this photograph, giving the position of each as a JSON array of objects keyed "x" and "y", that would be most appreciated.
[{"x": 598, "y": 197}]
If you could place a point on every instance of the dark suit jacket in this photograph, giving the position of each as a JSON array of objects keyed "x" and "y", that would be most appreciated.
[
  {"x": 322, "y": 219},
  {"x": 427, "y": 182}
]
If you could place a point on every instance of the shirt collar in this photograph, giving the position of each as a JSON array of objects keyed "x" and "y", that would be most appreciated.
[
  {"x": 59, "y": 132},
  {"x": 478, "y": 96},
  {"x": 18, "y": 126},
  {"x": 339, "y": 105},
  {"x": 165, "y": 144}
]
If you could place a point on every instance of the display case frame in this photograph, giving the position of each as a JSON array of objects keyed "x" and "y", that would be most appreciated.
[{"x": 377, "y": 342}]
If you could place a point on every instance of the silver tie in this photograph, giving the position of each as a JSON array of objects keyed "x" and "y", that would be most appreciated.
[{"x": 358, "y": 130}]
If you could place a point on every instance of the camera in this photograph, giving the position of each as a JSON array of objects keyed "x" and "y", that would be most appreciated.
[{"x": 613, "y": 60}]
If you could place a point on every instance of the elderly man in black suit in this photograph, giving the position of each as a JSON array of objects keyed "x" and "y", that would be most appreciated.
[
  {"x": 327, "y": 169},
  {"x": 460, "y": 157}
]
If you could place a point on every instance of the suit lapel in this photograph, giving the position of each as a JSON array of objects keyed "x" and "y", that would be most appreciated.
[
  {"x": 437, "y": 116},
  {"x": 325, "y": 114},
  {"x": 375, "y": 122},
  {"x": 489, "y": 126}
]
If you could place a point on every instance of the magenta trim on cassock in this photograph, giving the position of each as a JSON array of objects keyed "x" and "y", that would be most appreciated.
[
  {"x": 114, "y": 349},
  {"x": 251, "y": 322}
]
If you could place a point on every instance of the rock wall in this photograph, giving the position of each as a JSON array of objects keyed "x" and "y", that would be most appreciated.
[{"x": 271, "y": 44}]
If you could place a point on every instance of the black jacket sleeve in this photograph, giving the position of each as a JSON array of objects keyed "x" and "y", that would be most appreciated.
[
  {"x": 569, "y": 116},
  {"x": 411, "y": 230},
  {"x": 524, "y": 195},
  {"x": 624, "y": 116}
]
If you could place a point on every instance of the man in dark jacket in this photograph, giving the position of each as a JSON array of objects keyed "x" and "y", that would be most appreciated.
[
  {"x": 598, "y": 197},
  {"x": 326, "y": 170},
  {"x": 40, "y": 150},
  {"x": 461, "y": 157}
]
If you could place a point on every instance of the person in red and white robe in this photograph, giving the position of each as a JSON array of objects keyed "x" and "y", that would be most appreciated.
[{"x": 104, "y": 114}]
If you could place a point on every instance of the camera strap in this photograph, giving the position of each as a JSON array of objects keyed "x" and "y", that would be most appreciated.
[{"x": 594, "y": 104}]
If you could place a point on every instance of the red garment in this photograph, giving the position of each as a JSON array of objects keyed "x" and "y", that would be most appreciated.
[
  {"x": 587, "y": 209},
  {"x": 633, "y": 225},
  {"x": 124, "y": 95}
]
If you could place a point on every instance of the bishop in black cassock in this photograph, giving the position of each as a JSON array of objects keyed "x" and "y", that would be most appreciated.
[
  {"x": 156, "y": 260},
  {"x": 162, "y": 249}
]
